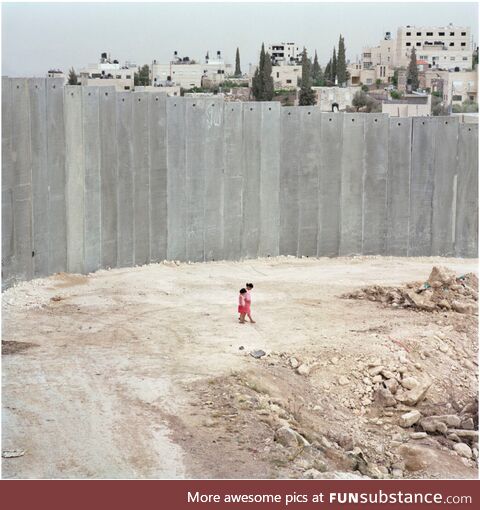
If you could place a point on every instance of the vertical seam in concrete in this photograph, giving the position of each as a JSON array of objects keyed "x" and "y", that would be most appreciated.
[
  {"x": 434, "y": 164},
  {"x": 410, "y": 185},
  {"x": 364, "y": 176}
]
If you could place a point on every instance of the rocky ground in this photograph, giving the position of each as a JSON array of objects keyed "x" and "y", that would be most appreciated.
[{"x": 361, "y": 367}]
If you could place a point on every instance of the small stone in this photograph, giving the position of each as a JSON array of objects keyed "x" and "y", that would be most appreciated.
[
  {"x": 385, "y": 398},
  {"x": 312, "y": 474},
  {"x": 377, "y": 379},
  {"x": 453, "y": 437},
  {"x": 258, "y": 354},
  {"x": 388, "y": 374},
  {"x": 334, "y": 360},
  {"x": 409, "y": 382},
  {"x": 303, "y": 370},
  {"x": 463, "y": 450},
  {"x": 289, "y": 438},
  {"x": 367, "y": 381},
  {"x": 397, "y": 473},
  {"x": 418, "y": 435},
  {"x": 409, "y": 419},
  {"x": 343, "y": 381},
  {"x": 392, "y": 385},
  {"x": 375, "y": 370},
  {"x": 443, "y": 348},
  {"x": 294, "y": 363},
  {"x": 468, "y": 424}
]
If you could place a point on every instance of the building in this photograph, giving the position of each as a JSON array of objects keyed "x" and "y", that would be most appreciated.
[
  {"x": 286, "y": 76},
  {"x": 108, "y": 72},
  {"x": 339, "y": 98},
  {"x": 447, "y": 47},
  {"x": 170, "y": 91},
  {"x": 285, "y": 53},
  {"x": 188, "y": 73},
  {"x": 56, "y": 73},
  {"x": 412, "y": 105},
  {"x": 376, "y": 63}
]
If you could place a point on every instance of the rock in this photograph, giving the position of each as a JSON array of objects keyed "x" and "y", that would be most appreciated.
[
  {"x": 453, "y": 437},
  {"x": 416, "y": 457},
  {"x": 320, "y": 465},
  {"x": 367, "y": 381},
  {"x": 294, "y": 363},
  {"x": 391, "y": 385},
  {"x": 432, "y": 425},
  {"x": 415, "y": 395},
  {"x": 334, "y": 360},
  {"x": 289, "y": 438},
  {"x": 409, "y": 419},
  {"x": 312, "y": 474},
  {"x": 343, "y": 381},
  {"x": 11, "y": 454},
  {"x": 257, "y": 354},
  {"x": 441, "y": 275},
  {"x": 451, "y": 420},
  {"x": 377, "y": 378},
  {"x": 465, "y": 308},
  {"x": 472, "y": 434},
  {"x": 463, "y": 450},
  {"x": 375, "y": 370},
  {"x": 387, "y": 374},
  {"x": 303, "y": 370},
  {"x": 409, "y": 383},
  {"x": 384, "y": 398},
  {"x": 418, "y": 435},
  {"x": 468, "y": 424},
  {"x": 397, "y": 473}
]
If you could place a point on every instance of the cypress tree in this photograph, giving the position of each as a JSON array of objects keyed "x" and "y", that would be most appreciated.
[
  {"x": 238, "y": 71},
  {"x": 412, "y": 71},
  {"x": 258, "y": 81},
  {"x": 328, "y": 72},
  {"x": 333, "y": 74},
  {"x": 72, "y": 77},
  {"x": 316, "y": 71},
  {"x": 267, "y": 79},
  {"x": 341, "y": 63},
  {"x": 307, "y": 96}
]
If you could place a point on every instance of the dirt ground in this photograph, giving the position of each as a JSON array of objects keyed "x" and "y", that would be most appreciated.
[{"x": 146, "y": 372}]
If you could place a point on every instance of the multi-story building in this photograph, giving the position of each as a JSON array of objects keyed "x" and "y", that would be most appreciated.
[
  {"x": 56, "y": 73},
  {"x": 447, "y": 47},
  {"x": 188, "y": 73},
  {"x": 285, "y": 53},
  {"x": 286, "y": 76},
  {"x": 108, "y": 72}
]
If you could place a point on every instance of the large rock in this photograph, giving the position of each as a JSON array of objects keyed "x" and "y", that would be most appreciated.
[
  {"x": 441, "y": 276},
  {"x": 466, "y": 308},
  {"x": 416, "y": 458},
  {"x": 463, "y": 450},
  {"x": 432, "y": 425},
  {"x": 415, "y": 395},
  {"x": 289, "y": 438},
  {"x": 384, "y": 398},
  {"x": 303, "y": 370},
  {"x": 409, "y": 419}
]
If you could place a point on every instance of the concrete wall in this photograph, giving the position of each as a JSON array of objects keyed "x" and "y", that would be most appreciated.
[{"x": 96, "y": 178}]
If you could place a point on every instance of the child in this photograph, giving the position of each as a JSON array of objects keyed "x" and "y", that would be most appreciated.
[
  {"x": 248, "y": 301},
  {"x": 242, "y": 305}
]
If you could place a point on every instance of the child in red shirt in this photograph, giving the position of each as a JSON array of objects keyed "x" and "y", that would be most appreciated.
[{"x": 242, "y": 305}]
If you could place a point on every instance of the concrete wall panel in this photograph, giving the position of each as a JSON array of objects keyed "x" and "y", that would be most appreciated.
[
  {"x": 398, "y": 185},
  {"x": 57, "y": 215},
  {"x": 214, "y": 180},
  {"x": 75, "y": 179},
  {"x": 176, "y": 179},
  {"x": 233, "y": 181},
  {"x": 141, "y": 166},
  {"x": 252, "y": 124},
  {"x": 22, "y": 183},
  {"x": 91, "y": 144},
  {"x": 289, "y": 193},
  {"x": 466, "y": 217},
  {"x": 269, "y": 180},
  {"x": 329, "y": 184},
  {"x": 126, "y": 180},
  {"x": 375, "y": 184},
  {"x": 157, "y": 112},
  {"x": 353, "y": 175},
  {"x": 38, "y": 135},
  {"x": 108, "y": 176},
  {"x": 421, "y": 186},
  {"x": 445, "y": 164},
  {"x": 309, "y": 154}
]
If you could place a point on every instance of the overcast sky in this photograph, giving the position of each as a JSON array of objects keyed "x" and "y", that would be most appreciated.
[{"x": 40, "y": 36}]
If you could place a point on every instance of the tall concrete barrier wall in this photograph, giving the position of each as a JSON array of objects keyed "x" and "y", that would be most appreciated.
[{"x": 93, "y": 178}]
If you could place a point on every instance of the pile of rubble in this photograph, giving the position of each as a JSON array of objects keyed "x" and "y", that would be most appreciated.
[{"x": 442, "y": 291}]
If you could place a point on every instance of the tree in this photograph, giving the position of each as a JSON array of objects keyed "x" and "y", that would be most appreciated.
[
  {"x": 262, "y": 83},
  {"x": 412, "y": 71},
  {"x": 341, "y": 63},
  {"x": 378, "y": 82},
  {"x": 72, "y": 77},
  {"x": 238, "y": 71},
  {"x": 333, "y": 73},
  {"x": 307, "y": 96},
  {"x": 362, "y": 100},
  {"x": 142, "y": 78},
  {"x": 316, "y": 74},
  {"x": 327, "y": 75},
  {"x": 395, "y": 78}
]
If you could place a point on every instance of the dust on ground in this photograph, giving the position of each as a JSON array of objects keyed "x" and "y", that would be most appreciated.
[{"x": 146, "y": 372}]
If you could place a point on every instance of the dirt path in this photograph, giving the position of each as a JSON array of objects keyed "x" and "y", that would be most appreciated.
[{"x": 116, "y": 367}]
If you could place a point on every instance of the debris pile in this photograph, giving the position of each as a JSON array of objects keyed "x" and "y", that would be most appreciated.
[{"x": 443, "y": 291}]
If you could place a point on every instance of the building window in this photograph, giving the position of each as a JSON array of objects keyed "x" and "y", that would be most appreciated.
[
  {"x": 456, "y": 98},
  {"x": 465, "y": 58},
  {"x": 278, "y": 75},
  {"x": 119, "y": 76},
  {"x": 429, "y": 34},
  {"x": 464, "y": 33},
  {"x": 463, "y": 44},
  {"x": 126, "y": 87},
  {"x": 289, "y": 81},
  {"x": 441, "y": 33},
  {"x": 452, "y": 58},
  {"x": 419, "y": 33},
  {"x": 408, "y": 44},
  {"x": 369, "y": 81},
  {"x": 452, "y": 34},
  {"x": 128, "y": 76},
  {"x": 408, "y": 33},
  {"x": 419, "y": 44},
  {"x": 452, "y": 44}
]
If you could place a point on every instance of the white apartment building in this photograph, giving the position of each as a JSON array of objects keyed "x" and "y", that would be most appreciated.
[
  {"x": 286, "y": 77},
  {"x": 56, "y": 73},
  {"x": 108, "y": 72},
  {"x": 188, "y": 73},
  {"x": 447, "y": 47},
  {"x": 285, "y": 53}
]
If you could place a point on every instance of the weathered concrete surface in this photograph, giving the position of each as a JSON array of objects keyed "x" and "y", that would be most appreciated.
[{"x": 106, "y": 179}]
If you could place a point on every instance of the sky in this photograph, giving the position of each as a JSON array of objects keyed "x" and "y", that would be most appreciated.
[{"x": 40, "y": 36}]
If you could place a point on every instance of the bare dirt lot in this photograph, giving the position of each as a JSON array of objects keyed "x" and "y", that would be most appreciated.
[{"x": 146, "y": 372}]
